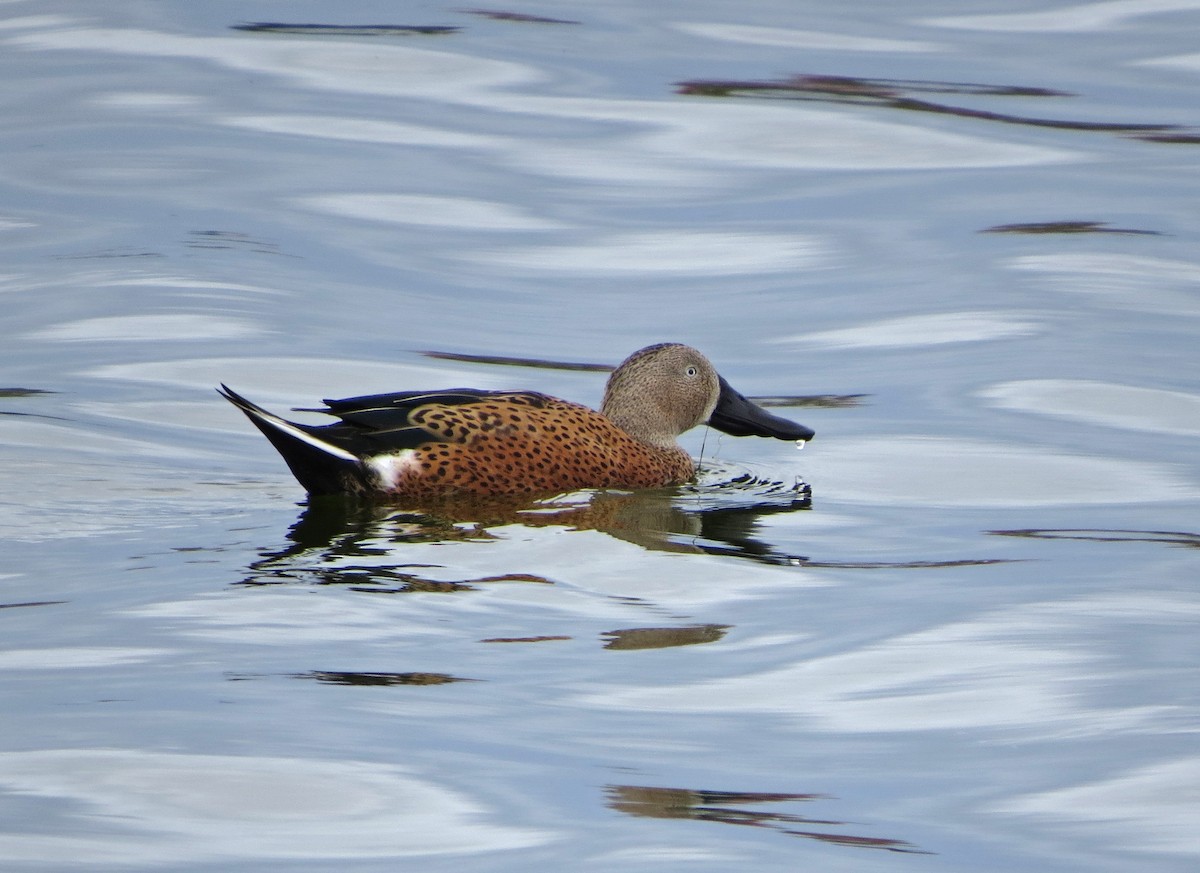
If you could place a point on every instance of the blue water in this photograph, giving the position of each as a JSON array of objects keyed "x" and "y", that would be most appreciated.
[{"x": 975, "y": 650}]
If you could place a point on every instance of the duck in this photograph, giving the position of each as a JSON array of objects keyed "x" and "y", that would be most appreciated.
[{"x": 470, "y": 442}]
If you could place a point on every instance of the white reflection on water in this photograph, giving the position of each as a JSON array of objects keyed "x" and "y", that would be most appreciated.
[
  {"x": 1103, "y": 403},
  {"x": 66, "y": 441},
  {"x": 68, "y": 657},
  {"x": 328, "y": 64},
  {"x": 1153, "y": 808},
  {"x": 148, "y": 100},
  {"x": 1191, "y": 63},
  {"x": 291, "y": 380},
  {"x": 808, "y": 39},
  {"x": 700, "y": 132},
  {"x": 288, "y": 616},
  {"x": 667, "y": 252},
  {"x": 588, "y": 574},
  {"x": 363, "y": 130},
  {"x": 674, "y": 142},
  {"x": 84, "y": 494},
  {"x": 35, "y": 21},
  {"x": 939, "y": 471},
  {"x": 206, "y": 288},
  {"x": 922, "y": 330},
  {"x": 428, "y": 211},
  {"x": 1136, "y": 282},
  {"x": 685, "y": 856},
  {"x": 1080, "y": 17},
  {"x": 1030, "y": 667},
  {"x": 147, "y": 807},
  {"x": 149, "y": 328}
]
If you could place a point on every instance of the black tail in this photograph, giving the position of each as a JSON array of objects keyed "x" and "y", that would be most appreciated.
[{"x": 321, "y": 466}]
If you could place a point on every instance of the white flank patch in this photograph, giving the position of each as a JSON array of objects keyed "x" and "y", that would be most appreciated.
[{"x": 389, "y": 468}]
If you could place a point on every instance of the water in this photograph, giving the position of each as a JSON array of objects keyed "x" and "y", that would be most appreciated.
[{"x": 974, "y": 648}]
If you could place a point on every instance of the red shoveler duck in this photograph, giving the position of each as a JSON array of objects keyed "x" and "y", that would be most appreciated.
[{"x": 432, "y": 444}]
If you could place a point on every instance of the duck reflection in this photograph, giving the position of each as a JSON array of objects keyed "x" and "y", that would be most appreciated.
[
  {"x": 340, "y": 540},
  {"x": 332, "y": 532},
  {"x": 727, "y": 807}
]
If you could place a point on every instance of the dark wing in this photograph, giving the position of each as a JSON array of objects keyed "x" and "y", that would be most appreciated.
[
  {"x": 387, "y": 412},
  {"x": 386, "y": 421}
]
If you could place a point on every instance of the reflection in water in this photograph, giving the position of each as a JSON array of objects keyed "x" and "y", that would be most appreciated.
[
  {"x": 32, "y": 603},
  {"x": 1171, "y": 138},
  {"x": 664, "y": 637},
  {"x": 230, "y": 240},
  {"x": 341, "y": 541},
  {"x": 929, "y": 471},
  {"x": 907, "y": 565},
  {"x": 1108, "y": 404},
  {"x": 129, "y": 809},
  {"x": 507, "y": 361},
  {"x": 357, "y": 677},
  {"x": 827, "y": 401},
  {"x": 823, "y": 401},
  {"x": 895, "y": 94},
  {"x": 1037, "y": 227},
  {"x": 103, "y": 254},
  {"x": 497, "y": 15},
  {"x": 1085, "y": 17},
  {"x": 545, "y": 638},
  {"x": 333, "y": 532},
  {"x": 344, "y": 677},
  {"x": 27, "y": 392},
  {"x": 718, "y": 806},
  {"x": 347, "y": 29},
  {"x": 1168, "y": 537},
  {"x": 932, "y": 329},
  {"x": 851, "y": 87},
  {"x": 393, "y": 29}
]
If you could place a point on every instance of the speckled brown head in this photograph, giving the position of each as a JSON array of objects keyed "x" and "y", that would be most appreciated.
[{"x": 661, "y": 391}]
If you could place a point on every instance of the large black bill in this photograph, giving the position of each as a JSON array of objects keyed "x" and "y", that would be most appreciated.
[{"x": 738, "y": 416}]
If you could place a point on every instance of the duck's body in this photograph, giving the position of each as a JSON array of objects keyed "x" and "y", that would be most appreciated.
[{"x": 470, "y": 442}]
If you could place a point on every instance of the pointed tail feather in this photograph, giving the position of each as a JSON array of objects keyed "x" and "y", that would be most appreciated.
[{"x": 319, "y": 465}]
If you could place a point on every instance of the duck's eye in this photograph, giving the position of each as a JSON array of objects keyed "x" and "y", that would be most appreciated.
[{"x": 691, "y": 371}]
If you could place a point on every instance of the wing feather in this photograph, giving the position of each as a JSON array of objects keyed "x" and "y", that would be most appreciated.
[{"x": 387, "y": 420}]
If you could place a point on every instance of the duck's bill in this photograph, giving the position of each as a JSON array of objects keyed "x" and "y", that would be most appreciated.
[{"x": 738, "y": 416}]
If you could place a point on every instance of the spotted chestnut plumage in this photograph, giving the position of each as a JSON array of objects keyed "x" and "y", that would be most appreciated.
[{"x": 471, "y": 442}]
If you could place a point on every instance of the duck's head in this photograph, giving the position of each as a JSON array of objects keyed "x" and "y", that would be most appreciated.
[{"x": 661, "y": 391}]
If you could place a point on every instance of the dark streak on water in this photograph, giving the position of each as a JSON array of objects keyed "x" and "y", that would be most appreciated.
[
  {"x": 347, "y": 29},
  {"x": 727, "y": 807},
  {"x": 1165, "y": 537},
  {"x": 828, "y": 401},
  {"x": 1038, "y": 227},
  {"x": 893, "y": 94}
]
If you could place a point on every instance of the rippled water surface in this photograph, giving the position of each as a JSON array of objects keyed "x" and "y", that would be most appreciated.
[{"x": 958, "y": 240}]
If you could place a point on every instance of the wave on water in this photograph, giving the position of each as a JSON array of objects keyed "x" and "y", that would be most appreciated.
[{"x": 729, "y": 485}]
